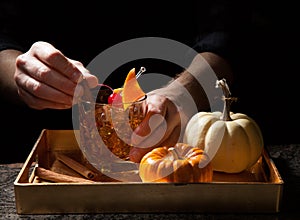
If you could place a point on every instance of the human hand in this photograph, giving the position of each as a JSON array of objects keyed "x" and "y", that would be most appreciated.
[
  {"x": 45, "y": 78},
  {"x": 162, "y": 126}
]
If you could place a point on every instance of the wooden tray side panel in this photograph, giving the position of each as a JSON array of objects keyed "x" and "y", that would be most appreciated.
[{"x": 114, "y": 198}]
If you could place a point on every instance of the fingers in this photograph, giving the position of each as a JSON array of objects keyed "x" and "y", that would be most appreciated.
[
  {"x": 92, "y": 80},
  {"x": 161, "y": 127},
  {"x": 166, "y": 132},
  {"x": 156, "y": 134},
  {"x": 47, "y": 79},
  {"x": 36, "y": 69},
  {"x": 38, "y": 103},
  {"x": 156, "y": 106},
  {"x": 39, "y": 96},
  {"x": 42, "y": 82},
  {"x": 52, "y": 57},
  {"x": 150, "y": 123},
  {"x": 136, "y": 153},
  {"x": 161, "y": 119}
]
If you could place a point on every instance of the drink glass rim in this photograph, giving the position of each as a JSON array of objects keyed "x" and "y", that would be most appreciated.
[{"x": 100, "y": 103}]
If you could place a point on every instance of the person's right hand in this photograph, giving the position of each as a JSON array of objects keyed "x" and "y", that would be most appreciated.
[
  {"x": 164, "y": 122},
  {"x": 47, "y": 79}
]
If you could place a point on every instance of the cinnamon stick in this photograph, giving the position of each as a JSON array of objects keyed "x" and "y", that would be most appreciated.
[
  {"x": 57, "y": 177},
  {"x": 78, "y": 167},
  {"x": 60, "y": 167}
]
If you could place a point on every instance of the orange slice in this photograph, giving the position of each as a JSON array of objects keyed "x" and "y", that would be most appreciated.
[
  {"x": 117, "y": 90},
  {"x": 131, "y": 89}
]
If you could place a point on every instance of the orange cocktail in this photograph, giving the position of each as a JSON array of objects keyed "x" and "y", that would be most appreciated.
[
  {"x": 116, "y": 124},
  {"x": 106, "y": 129}
]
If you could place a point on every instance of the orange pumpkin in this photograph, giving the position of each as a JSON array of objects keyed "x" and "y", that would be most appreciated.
[{"x": 181, "y": 163}]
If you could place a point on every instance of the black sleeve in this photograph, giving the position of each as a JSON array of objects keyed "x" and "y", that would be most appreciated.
[
  {"x": 222, "y": 27},
  {"x": 8, "y": 43},
  {"x": 9, "y": 18},
  {"x": 217, "y": 42}
]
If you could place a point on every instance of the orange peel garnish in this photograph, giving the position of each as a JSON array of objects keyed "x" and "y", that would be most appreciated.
[{"x": 132, "y": 91}]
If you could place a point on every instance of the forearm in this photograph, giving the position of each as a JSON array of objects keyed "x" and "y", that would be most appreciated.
[
  {"x": 199, "y": 81},
  {"x": 8, "y": 87}
]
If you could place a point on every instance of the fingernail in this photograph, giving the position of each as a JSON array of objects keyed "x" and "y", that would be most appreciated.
[{"x": 77, "y": 77}]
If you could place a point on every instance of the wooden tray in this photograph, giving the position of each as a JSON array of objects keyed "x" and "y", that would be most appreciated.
[{"x": 257, "y": 190}]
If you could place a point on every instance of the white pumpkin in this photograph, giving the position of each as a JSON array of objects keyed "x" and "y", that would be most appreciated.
[{"x": 233, "y": 141}]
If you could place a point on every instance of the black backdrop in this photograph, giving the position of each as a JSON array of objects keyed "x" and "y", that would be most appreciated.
[{"x": 266, "y": 71}]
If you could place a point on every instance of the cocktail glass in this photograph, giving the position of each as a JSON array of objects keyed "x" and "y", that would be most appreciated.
[{"x": 105, "y": 134}]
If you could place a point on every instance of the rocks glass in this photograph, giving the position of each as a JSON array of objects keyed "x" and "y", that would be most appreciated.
[{"x": 105, "y": 133}]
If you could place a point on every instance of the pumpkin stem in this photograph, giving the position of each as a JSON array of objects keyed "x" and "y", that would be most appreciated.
[
  {"x": 174, "y": 153},
  {"x": 227, "y": 99}
]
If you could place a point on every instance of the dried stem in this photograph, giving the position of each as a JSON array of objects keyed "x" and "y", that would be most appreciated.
[{"x": 227, "y": 99}]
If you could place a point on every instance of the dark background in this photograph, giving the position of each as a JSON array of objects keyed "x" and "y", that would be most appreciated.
[{"x": 265, "y": 58}]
